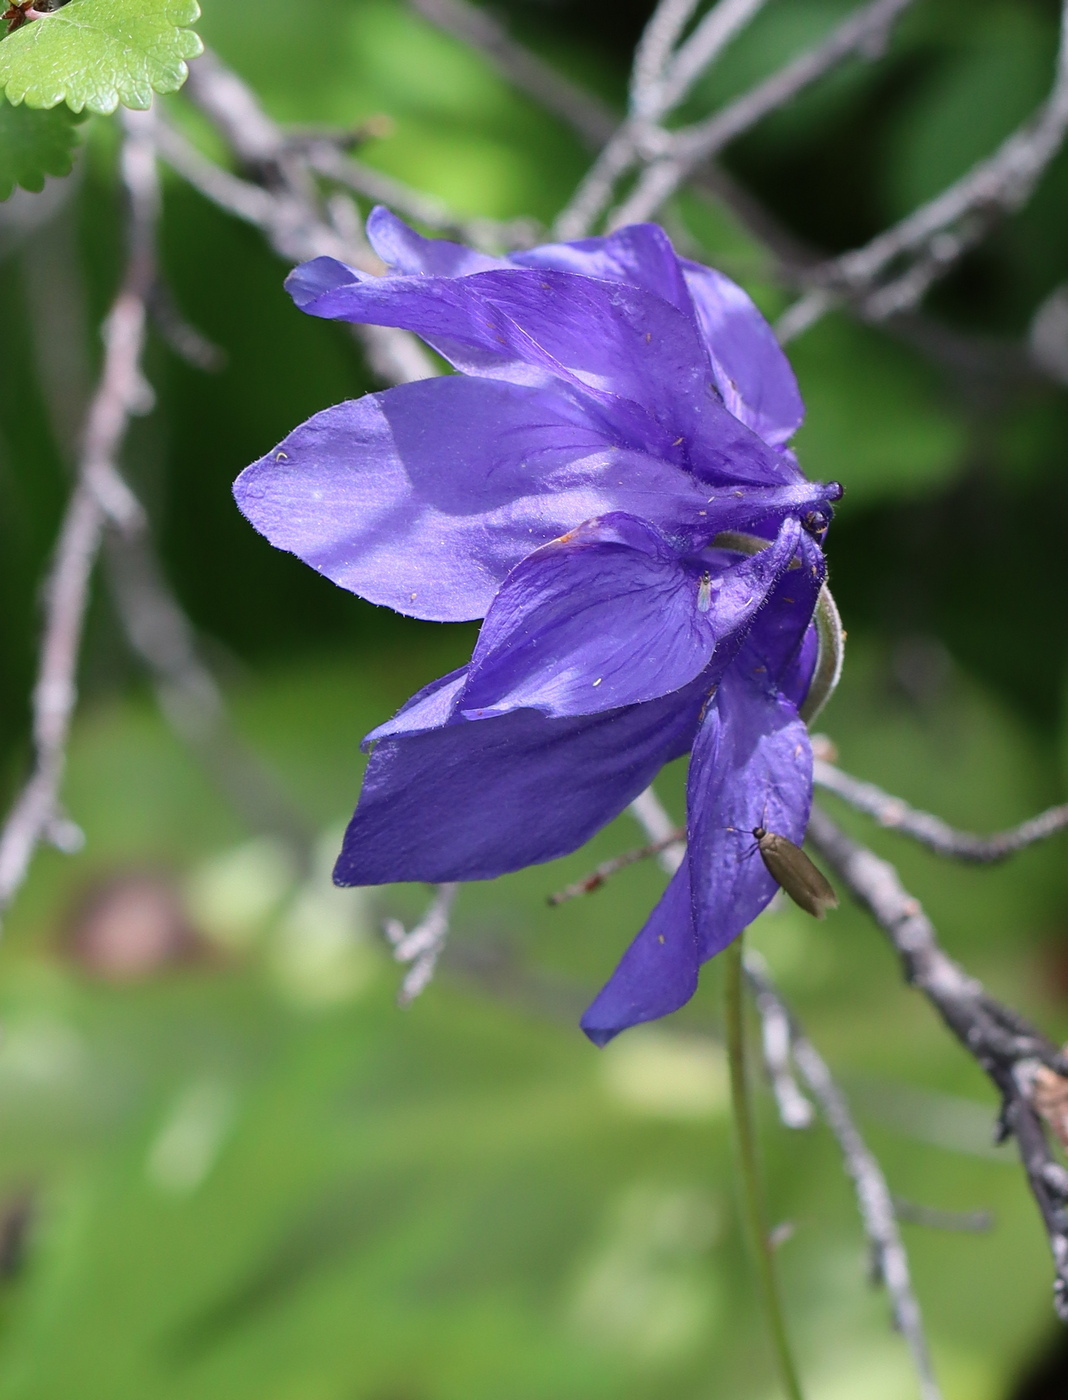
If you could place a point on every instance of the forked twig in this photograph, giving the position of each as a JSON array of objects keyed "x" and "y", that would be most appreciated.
[
  {"x": 932, "y": 831},
  {"x": 424, "y": 944},
  {"x": 784, "y": 1040},
  {"x": 861, "y": 33},
  {"x": 99, "y": 495},
  {"x": 874, "y": 1201},
  {"x": 1009, "y": 1050},
  {"x": 935, "y": 236}
]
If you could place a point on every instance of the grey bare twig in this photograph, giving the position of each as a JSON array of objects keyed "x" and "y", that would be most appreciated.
[
  {"x": 969, "y": 1222},
  {"x": 892, "y": 272},
  {"x": 661, "y": 77},
  {"x": 422, "y": 946},
  {"x": 189, "y": 696},
  {"x": 1010, "y": 1051},
  {"x": 281, "y": 200},
  {"x": 932, "y": 831},
  {"x": 776, "y": 1038},
  {"x": 99, "y": 495},
  {"x": 653, "y": 818},
  {"x": 592, "y": 119},
  {"x": 862, "y": 33},
  {"x": 874, "y": 1201},
  {"x": 491, "y": 235}
]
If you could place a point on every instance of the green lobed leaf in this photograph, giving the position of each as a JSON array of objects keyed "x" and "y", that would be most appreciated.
[
  {"x": 34, "y": 144},
  {"x": 94, "y": 54}
]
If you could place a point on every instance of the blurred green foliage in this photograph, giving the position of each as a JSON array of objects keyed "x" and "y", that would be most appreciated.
[{"x": 250, "y": 1174}]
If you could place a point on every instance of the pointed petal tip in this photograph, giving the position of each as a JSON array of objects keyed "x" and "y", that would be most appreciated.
[
  {"x": 600, "y": 1035},
  {"x": 313, "y": 279}
]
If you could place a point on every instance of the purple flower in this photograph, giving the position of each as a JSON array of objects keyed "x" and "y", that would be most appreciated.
[{"x": 591, "y": 484}]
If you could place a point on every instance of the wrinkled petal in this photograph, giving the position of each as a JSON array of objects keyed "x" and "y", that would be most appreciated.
[
  {"x": 404, "y": 250},
  {"x": 475, "y": 799},
  {"x": 609, "y": 615},
  {"x": 641, "y": 255},
  {"x": 640, "y": 359},
  {"x": 751, "y": 371},
  {"x": 423, "y": 498},
  {"x": 753, "y": 374},
  {"x": 751, "y": 766},
  {"x": 658, "y": 972}
]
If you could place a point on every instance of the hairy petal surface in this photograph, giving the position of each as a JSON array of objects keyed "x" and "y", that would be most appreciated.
[
  {"x": 751, "y": 766},
  {"x": 477, "y": 798},
  {"x": 658, "y": 972},
  {"x": 753, "y": 374},
  {"x": 424, "y": 497},
  {"x": 609, "y": 615},
  {"x": 428, "y": 708}
]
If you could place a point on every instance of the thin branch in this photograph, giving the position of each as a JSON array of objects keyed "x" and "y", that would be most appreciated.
[
  {"x": 1006, "y": 1048},
  {"x": 968, "y": 1222},
  {"x": 592, "y": 119},
  {"x": 99, "y": 494},
  {"x": 777, "y": 1035},
  {"x": 874, "y": 1201},
  {"x": 653, "y": 818},
  {"x": 491, "y": 235},
  {"x": 862, "y": 33},
  {"x": 608, "y": 868},
  {"x": 932, "y": 831},
  {"x": 937, "y": 234},
  {"x": 703, "y": 47},
  {"x": 189, "y": 696},
  {"x": 660, "y": 79},
  {"x": 654, "y": 53},
  {"x": 285, "y": 204},
  {"x": 423, "y": 945}
]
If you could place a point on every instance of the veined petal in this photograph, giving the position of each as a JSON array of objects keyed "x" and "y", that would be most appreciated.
[
  {"x": 753, "y": 374},
  {"x": 425, "y": 496},
  {"x": 641, "y": 255},
  {"x": 639, "y": 358},
  {"x": 609, "y": 615},
  {"x": 658, "y": 972},
  {"x": 751, "y": 766},
  {"x": 474, "y": 799}
]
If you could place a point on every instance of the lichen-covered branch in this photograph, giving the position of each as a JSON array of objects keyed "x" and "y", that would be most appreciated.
[{"x": 1010, "y": 1051}]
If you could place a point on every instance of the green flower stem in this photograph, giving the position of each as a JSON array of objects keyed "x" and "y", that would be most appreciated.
[{"x": 753, "y": 1198}]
